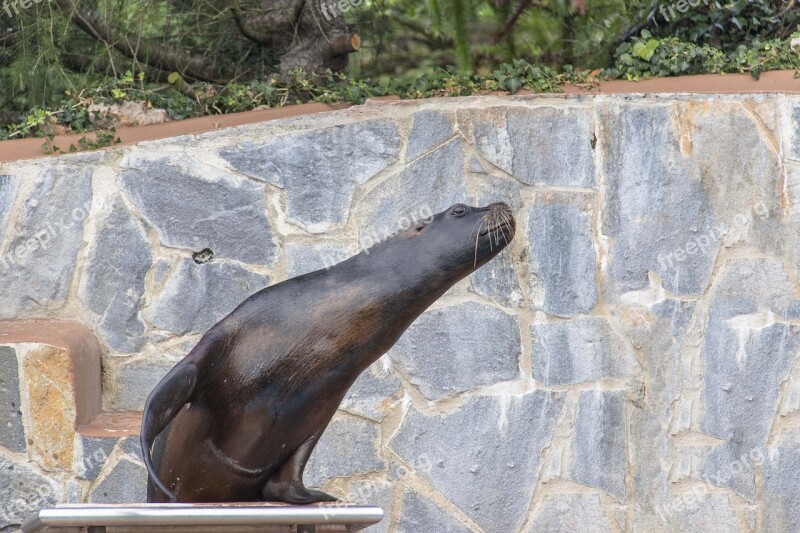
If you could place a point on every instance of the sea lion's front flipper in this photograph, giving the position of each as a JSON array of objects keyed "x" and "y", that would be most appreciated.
[
  {"x": 164, "y": 402},
  {"x": 286, "y": 485}
]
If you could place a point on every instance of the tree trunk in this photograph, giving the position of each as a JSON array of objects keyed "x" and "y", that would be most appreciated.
[{"x": 307, "y": 34}]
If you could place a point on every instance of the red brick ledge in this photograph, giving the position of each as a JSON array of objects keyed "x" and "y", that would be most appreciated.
[
  {"x": 780, "y": 81},
  {"x": 84, "y": 350}
]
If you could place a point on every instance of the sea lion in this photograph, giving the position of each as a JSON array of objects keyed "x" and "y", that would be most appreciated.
[{"x": 236, "y": 419}]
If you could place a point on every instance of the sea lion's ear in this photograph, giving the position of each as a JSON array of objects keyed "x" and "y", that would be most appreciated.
[{"x": 164, "y": 402}]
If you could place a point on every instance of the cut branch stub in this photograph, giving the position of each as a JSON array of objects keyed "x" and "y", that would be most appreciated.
[{"x": 345, "y": 44}]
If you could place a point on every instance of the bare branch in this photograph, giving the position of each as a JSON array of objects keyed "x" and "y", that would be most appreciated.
[{"x": 135, "y": 47}]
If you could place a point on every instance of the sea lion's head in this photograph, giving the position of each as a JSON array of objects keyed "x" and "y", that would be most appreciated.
[
  {"x": 470, "y": 236},
  {"x": 456, "y": 242}
]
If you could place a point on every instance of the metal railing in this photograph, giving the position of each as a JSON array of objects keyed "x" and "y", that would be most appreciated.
[{"x": 316, "y": 518}]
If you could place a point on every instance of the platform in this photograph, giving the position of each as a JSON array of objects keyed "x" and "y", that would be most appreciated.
[{"x": 204, "y": 518}]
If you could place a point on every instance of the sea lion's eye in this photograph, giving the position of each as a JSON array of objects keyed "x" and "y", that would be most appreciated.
[{"x": 459, "y": 210}]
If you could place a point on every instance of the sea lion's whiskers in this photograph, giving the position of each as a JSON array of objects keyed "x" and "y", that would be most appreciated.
[
  {"x": 507, "y": 223},
  {"x": 496, "y": 228},
  {"x": 480, "y": 220},
  {"x": 477, "y": 236}
]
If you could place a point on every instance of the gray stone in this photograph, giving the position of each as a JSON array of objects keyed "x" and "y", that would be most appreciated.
[
  {"x": 47, "y": 233},
  {"x": 135, "y": 381},
  {"x": 485, "y": 455},
  {"x": 700, "y": 513},
  {"x": 794, "y": 148},
  {"x": 430, "y": 128},
  {"x": 542, "y": 145},
  {"x": 490, "y": 188},
  {"x": 195, "y": 297},
  {"x": 599, "y": 447},
  {"x": 748, "y": 285},
  {"x": 581, "y": 350},
  {"x": 746, "y": 356},
  {"x": 731, "y": 139},
  {"x": 375, "y": 391},
  {"x": 678, "y": 312},
  {"x": 659, "y": 334},
  {"x": 421, "y": 514},
  {"x": 668, "y": 205},
  {"x": 160, "y": 271},
  {"x": 454, "y": 349},
  {"x": 218, "y": 211},
  {"x": 96, "y": 451},
  {"x": 304, "y": 258},
  {"x": 8, "y": 193},
  {"x": 132, "y": 447},
  {"x": 320, "y": 169},
  {"x": 113, "y": 283},
  {"x": 12, "y": 433},
  {"x": 781, "y": 492},
  {"x": 497, "y": 281},
  {"x": 564, "y": 513},
  {"x": 126, "y": 483},
  {"x": 427, "y": 186},
  {"x": 23, "y": 492},
  {"x": 562, "y": 259},
  {"x": 349, "y": 446},
  {"x": 378, "y": 492},
  {"x": 792, "y": 311},
  {"x": 73, "y": 492},
  {"x": 654, "y": 206},
  {"x": 475, "y": 166}
]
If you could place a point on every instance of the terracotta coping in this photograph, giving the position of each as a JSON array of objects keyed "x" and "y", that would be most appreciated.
[
  {"x": 84, "y": 351},
  {"x": 780, "y": 81}
]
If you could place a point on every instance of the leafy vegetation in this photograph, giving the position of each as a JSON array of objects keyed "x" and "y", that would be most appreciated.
[
  {"x": 195, "y": 57},
  {"x": 647, "y": 56},
  {"x": 183, "y": 100}
]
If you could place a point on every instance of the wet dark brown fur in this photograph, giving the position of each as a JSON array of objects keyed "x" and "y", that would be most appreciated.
[{"x": 237, "y": 419}]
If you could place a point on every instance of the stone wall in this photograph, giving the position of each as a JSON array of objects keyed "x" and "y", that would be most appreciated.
[{"x": 628, "y": 364}]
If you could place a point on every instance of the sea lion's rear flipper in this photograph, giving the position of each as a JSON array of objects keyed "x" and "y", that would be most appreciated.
[
  {"x": 286, "y": 485},
  {"x": 164, "y": 402}
]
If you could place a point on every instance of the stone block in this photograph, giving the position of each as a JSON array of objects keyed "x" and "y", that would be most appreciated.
[
  {"x": 320, "y": 169},
  {"x": 195, "y": 297},
  {"x": 599, "y": 446},
  {"x": 484, "y": 456},
  {"x": 200, "y": 209},
  {"x": 113, "y": 282},
  {"x": 578, "y": 351},
  {"x": 454, "y": 349}
]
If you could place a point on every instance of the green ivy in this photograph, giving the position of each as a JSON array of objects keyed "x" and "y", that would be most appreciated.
[
  {"x": 641, "y": 57},
  {"x": 182, "y": 100},
  {"x": 647, "y": 56}
]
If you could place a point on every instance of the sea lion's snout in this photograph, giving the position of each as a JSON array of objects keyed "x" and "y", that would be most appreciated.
[
  {"x": 500, "y": 220},
  {"x": 486, "y": 230}
]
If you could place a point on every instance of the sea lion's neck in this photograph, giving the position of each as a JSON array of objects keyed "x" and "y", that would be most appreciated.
[
  {"x": 406, "y": 272},
  {"x": 396, "y": 286}
]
